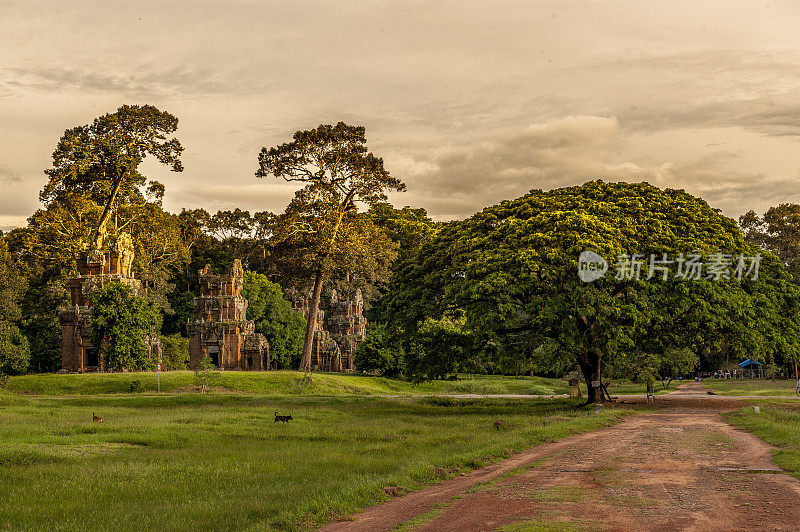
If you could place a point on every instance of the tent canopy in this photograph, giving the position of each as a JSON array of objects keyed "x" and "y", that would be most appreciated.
[{"x": 748, "y": 363}]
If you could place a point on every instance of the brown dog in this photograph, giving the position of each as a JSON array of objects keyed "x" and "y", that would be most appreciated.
[{"x": 96, "y": 418}]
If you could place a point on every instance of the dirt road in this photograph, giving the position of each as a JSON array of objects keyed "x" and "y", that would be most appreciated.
[{"x": 682, "y": 468}]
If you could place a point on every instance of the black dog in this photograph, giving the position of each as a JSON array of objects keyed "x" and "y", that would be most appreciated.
[{"x": 284, "y": 419}]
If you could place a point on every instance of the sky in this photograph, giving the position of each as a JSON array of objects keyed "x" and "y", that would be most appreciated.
[{"x": 468, "y": 102}]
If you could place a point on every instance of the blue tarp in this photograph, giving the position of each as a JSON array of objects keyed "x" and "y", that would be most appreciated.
[{"x": 749, "y": 362}]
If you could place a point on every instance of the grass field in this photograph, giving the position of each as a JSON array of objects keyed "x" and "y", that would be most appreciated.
[
  {"x": 191, "y": 461},
  {"x": 281, "y": 383},
  {"x": 778, "y": 424},
  {"x": 784, "y": 387}
]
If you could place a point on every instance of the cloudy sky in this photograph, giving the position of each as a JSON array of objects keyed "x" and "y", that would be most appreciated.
[{"x": 468, "y": 102}]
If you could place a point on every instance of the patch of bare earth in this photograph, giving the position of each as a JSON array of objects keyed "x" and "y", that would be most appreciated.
[{"x": 680, "y": 468}]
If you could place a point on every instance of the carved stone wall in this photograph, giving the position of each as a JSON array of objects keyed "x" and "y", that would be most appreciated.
[
  {"x": 337, "y": 337},
  {"x": 347, "y": 326},
  {"x": 220, "y": 329}
]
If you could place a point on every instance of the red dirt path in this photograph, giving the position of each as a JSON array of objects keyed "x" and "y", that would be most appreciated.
[{"x": 682, "y": 468}]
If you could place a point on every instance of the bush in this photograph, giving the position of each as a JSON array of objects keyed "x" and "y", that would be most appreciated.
[
  {"x": 376, "y": 355},
  {"x": 136, "y": 386},
  {"x": 14, "y": 350},
  {"x": 204, "y": 374},
  {"x": 174, "y": 352}
]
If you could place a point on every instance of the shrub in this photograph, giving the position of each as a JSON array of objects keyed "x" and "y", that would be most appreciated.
[
  {"x": 204, "y": 374},
  {"x": 375, "y": 354},
  {"x": 136, "y": 386},
  {"x": 174, "y": 352},
  {"x": 14, "y": 350}
]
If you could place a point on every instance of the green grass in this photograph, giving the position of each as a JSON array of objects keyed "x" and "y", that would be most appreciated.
[
  {"x": 761, "y": 387},
  {"x": 778, "y": 424},
  {"x": 218, "y": 461},
  {"x": 281, "y": 383}
]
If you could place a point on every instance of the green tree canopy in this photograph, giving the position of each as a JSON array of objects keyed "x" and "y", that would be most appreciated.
[
  {"x": 14, "y": 347},
  {"x": 321, "y": 229},
  {"x": 275, "y": 319},
  {"x": 121, "y": 320},
  {"x": 510, "y": 273},
  {"x": 778, "y": 230},
  {"x": 100, "y": 161}
]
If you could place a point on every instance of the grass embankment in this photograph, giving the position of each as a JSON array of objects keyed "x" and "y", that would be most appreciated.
[
  {"x": 778, "y": 424},
  {"x": 761, "y": 387},
  {"x": 217, "y": 461},
  {"x": 281, "y": 383}
]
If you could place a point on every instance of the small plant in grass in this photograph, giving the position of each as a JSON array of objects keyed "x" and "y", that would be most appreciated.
[
  {"x": 3, "y": 380},
  {"x": 304, "y": 384},
  {"x": 204, "y": 374},
  {"x": 136, "y": 386}
]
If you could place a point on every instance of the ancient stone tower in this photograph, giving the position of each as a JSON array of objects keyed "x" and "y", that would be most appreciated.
[
  {"x": 347, "y": 326},
  {"x": 221, "y": 329},
  {"x": 324, "y": 351},
  {"x": 336, "y": 337},
  {"x": 95, "y": 270}
]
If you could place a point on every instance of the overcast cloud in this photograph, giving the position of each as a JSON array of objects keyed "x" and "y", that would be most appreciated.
[{"x": 469, "y": 103}]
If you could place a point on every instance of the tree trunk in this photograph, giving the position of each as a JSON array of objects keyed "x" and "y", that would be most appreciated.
[
  {"x": 305, "y": 363},
  {"x": 590, "y": 367},
  {"x": 100, "y": 234}
]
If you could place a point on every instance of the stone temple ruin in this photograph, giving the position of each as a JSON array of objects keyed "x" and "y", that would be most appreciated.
[
  {"x": 337, "y": 337},
  {"x": 95, "y": 270},
  {"x": 221, "y": 330}
]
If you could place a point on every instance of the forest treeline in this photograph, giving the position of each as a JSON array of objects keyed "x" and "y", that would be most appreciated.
[{"x": 495, "y": 293}]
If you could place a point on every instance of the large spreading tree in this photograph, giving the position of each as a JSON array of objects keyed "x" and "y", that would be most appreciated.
[
  {"x": 100, "y": 161},
  {"x": 509, "y": 276},
  {"x": 322, "y": 230}
]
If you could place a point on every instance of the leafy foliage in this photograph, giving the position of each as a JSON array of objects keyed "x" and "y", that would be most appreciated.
[
  {"x": 778, "y": 230},
  {"x": 204, "y": 374},
  {"x": 174, "y": 352},
  {"x": 99, "y": 162},
  {"x": 375, "y": 354},
  {"x": 14, "y": 348},
  {"x": 438, "y": 349},
  {"x": 275, "y": 319},
  {"x": 120, "y": 322},
  {"x": 508, "y": 275},
  {"x": 321, "y": 230}
]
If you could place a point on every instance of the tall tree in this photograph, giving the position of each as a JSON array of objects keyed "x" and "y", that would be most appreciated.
[
  {"x": 778, "y": 231},
  {"x": 338, "y": 173},
  {"x": 101, "y": 160}
]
